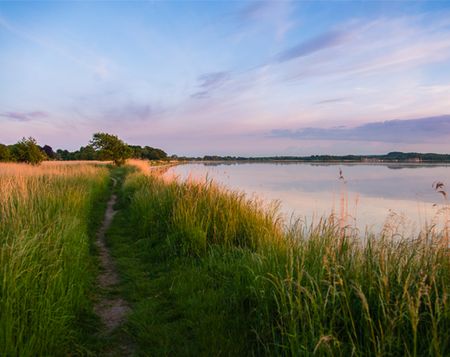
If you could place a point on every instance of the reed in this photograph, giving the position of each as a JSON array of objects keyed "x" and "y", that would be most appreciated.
[
  {"x": 233, "y": 269},
  {"x": 46, "y": 219},
  {"x": 439, "y": 187}
]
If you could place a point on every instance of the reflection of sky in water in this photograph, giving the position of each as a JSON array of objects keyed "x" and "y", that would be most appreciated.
[{"x": 313, "y": 190}]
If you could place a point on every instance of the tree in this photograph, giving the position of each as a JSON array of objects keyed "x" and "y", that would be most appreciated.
[
  {"x": 136, "y": 151},
  {"x": 63, "y": 154},
  {"x": 49, "y": 152},
  {"x": 110, "y": 147},
  {"x": 150, "y": 153},
  {"x": 27, "y": 150},
  {"x": 5, "y": 155},
  {"x": 87, "y": 153},
  {"x": 147, "y": 152}
]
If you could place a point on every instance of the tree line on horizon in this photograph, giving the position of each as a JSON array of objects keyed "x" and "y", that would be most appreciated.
[
  {"x": 395, "y": 156},
  {"x": 105, "y": 146},
  {"x": 102, "y": 147}
]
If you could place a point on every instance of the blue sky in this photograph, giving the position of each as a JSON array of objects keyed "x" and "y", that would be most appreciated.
[{"x": 235, "y": 77}]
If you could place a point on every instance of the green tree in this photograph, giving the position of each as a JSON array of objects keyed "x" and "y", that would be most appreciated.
[
  {"x": 63, "y": 154},
  {"x": 110, "y": 147},
  {"x": 27, "y": 150},
  {"x": 5, "y": 154},
  {"x": 87, "y": 153},
  {"x": 136, "y": 151},
  {"x": 147, "y": 152},
  {"x": 48, "y": 150},
  {"x": 153, "y": 153}
]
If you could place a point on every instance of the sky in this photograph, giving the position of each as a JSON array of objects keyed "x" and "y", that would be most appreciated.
[{"x": 247, "y": 78}]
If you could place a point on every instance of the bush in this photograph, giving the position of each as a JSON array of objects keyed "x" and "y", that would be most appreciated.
[
  {"x": 5, "y": 154},
  {"x": 27, "y": 150}
]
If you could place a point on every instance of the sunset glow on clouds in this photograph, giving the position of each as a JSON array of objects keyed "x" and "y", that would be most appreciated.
[{"x": 232, "y": 78}]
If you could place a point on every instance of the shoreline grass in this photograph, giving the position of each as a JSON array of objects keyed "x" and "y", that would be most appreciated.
[
  {"x": 209, "y": 272},
  {"x": 48, "y": 215}
]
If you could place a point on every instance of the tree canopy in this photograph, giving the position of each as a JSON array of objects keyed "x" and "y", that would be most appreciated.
[
  {"x": 110, "y": 147},
  {"x": 5, "y": 154},
  {"x": 147, "y": 152},
  {"x": 103, "y": 146},
  {"x": 27, "y": 150},
  {"x": 48, "y": 150}
]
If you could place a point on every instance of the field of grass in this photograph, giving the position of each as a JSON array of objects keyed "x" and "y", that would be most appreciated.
[
  {"x": 208, "y": 272},
  {"x": 48, "y": 215}
]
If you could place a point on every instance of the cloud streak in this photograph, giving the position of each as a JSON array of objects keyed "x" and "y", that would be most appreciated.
[
  {"x": 24, "y": 116},
  {"x": 132, "y": 111},
  {"x": 209, "y": 82},
  {"x": 331, "y": 101},
  {"x": 321, "y": 42},
  {"x": 393, "y": 131}
]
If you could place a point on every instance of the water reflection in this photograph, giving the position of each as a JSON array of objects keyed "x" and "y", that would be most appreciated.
[{"x": 373, "y": 192}]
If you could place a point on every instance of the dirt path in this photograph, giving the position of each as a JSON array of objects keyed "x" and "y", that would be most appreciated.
[{"x": 111, "y": 309}]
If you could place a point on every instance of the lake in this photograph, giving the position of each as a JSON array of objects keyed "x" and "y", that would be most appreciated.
[{"x": 371, "y": 195}]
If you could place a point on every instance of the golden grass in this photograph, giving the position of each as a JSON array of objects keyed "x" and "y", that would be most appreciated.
[
  {"x": 159, "y": 168},
  {"x": 17, "y": 178},
  {"x": 45, "y": 217},
  {"x": 49, "y": 168}
]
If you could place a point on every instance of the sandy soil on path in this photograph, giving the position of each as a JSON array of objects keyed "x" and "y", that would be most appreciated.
[{"x": 111, "y": 309}]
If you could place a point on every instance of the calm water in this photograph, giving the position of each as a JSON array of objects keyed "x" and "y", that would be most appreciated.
[{"x": 402, "y": 193}]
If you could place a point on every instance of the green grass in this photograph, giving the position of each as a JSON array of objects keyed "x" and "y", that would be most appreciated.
[
  {"x": 209, "y": 272},
  {"x": 47, "y": 225}
]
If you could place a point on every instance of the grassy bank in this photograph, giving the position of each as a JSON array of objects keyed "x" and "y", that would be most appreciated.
[
  {"x": 209, "y": 272},
  {"x": 48, "y": 215}
]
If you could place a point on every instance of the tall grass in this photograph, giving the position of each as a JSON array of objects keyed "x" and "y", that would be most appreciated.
[
  {"x": 45, "y": 222},
  {"x": 297, "y": 290}
]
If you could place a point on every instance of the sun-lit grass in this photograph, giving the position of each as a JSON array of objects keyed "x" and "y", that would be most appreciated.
[
  {"x": 46, "y": 217},
  {"x": 225, "y": 276},
  {"x": 210, "y": 272},
  {"x": 155, "y": 167}
]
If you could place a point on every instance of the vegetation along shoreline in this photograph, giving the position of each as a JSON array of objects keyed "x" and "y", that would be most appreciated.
[
  {"x": 204, "y": 270},
  {"x": 28, "y": 150}
]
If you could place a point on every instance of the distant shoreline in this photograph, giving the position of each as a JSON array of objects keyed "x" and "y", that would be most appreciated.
[
  {"x": 328, "y": 162},
  {"x": 392, "y": 157}
]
